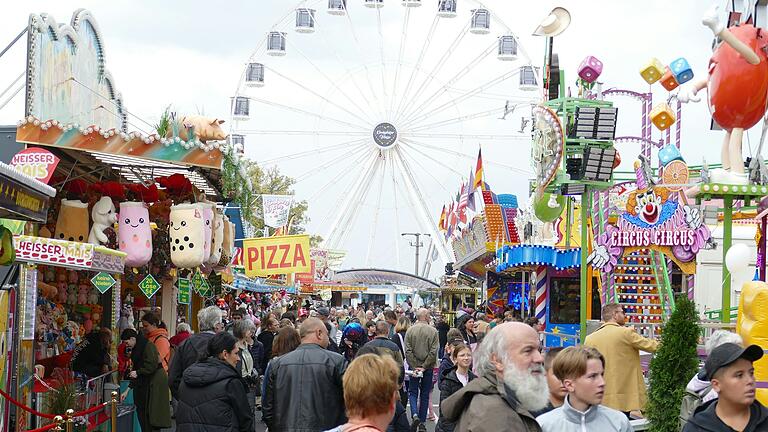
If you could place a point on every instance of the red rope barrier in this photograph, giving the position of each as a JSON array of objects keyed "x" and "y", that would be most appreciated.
[
  {"x": 26, "y": 408},
  {"x": 44, "y": 428},
  {"x": 91, "y": 410}
]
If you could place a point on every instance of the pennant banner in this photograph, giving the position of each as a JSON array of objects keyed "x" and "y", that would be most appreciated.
[{"x": 276, "y": 210}]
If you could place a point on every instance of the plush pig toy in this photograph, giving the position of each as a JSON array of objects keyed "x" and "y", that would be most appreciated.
[
  {"x": 134, "y": 233},
  {"x": 187, "y": 234},
  {"x": 218, "y": 238},
  {"x": 205, "y": 128},
  {"x": 103, "y": 215},
  {"x": 72, "y": 224}
]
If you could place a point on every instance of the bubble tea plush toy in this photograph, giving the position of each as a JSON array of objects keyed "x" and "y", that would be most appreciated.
[
  {"x": 218, "y": 238},
  {"x": 72, "y": 224},
  {"x": 134, "y": 233},
  {"x": 208, "y": 226},
  {"x": 187, "y": 234}
]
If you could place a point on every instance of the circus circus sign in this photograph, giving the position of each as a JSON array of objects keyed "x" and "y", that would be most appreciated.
[{"x": 654, "y": 218}]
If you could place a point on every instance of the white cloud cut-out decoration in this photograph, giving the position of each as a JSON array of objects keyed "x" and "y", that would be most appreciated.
[{"x": 67, "y": 79}]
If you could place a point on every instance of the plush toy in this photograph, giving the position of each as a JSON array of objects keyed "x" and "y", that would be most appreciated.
[
  {"x": 61, "y": 297},
  {"x": 187, "y": 234},
  {"x": 208, "y": 220},
  {"x": 126, "y": 318},
  {"x": 87, "y": 323},
  {"x": 59, "y": 316},
  {"x": 82, "y": 294},
  {"x": 96, "y": 311},
  {"x": 50, "y": 274},
  {"x": 103, "y": 216},
  {"x": 72, "y": 224},
  {"x": 134, "y": 233},
  {"x": 94, "y": 296},
  {"x": 71, "y": 294},
  {"x": 72, "y": 277},
  {"x": 217, "y": 238},
  {"x": 205, "y": 128},
  {"x": 228, "y": 242}
]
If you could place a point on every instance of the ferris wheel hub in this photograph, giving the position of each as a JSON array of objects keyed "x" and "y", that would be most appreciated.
[{"x": 385, "y": 135}]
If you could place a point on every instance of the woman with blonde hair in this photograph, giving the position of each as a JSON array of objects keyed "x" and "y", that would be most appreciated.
[
  {"x": 370, "y": 393},
  {"x": 402, "y": 326}
]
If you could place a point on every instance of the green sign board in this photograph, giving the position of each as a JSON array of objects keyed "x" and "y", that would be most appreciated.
[
  {"x": 103, "y": 281},
  {"x": 149, "y": 286},
  {"x": 200, "y": 284},
  {"x": 184, "y": 291}
]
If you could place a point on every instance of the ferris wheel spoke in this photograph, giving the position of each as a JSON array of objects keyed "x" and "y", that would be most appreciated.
[
  {"x": 318, "y": 95},
  {"x": 377, "y": 103},
  {"x": 318, "y": 169},
  {"x": 397, "y": 213},
  {"x": 443, "y": 60},
  {"x": 347, "y": 227},
  {"x": 412, "y": 145},
  {"x": 343, "y": 171},
  {"x": 460, "y": 136},
  {"x": 349, "y": 74},
  {"x": 424, "y": 169},
  {"x": 403, "y": 38},
  {"x": 383, "y": 62},
  {"x": 446, "y": 87},
  {"x": 331, "y": 81},
  {"x": 459, "y": 119},
  {"x": 424, "y": 48},
  {"x": 300, "y": 132},
  {"x": 342, "y": 223},
  {"x": 375, "y": 221},
  {"x": 308, "y": 113},
  {"x": 464, "y": 96},
  {"x": 344, "y": 145},
  {"x": 466, "y": 156},
  {"x": 421, "y": 205},
  {"x": 355, "y": 172}
]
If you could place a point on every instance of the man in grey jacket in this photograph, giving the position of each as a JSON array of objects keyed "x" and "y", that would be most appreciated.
[
  {"x": 581, "y": 370},
  {"x": 421, "y": 352}
]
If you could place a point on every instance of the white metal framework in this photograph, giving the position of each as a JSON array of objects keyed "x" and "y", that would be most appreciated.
[{"x": 379, "y": 129}]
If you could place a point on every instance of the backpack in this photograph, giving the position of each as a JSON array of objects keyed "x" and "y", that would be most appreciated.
[
  {"x": 691, "y": 401},
  {"x": 166, "y": 361}
]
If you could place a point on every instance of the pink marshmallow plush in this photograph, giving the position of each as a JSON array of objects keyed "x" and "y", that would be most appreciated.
[{"x": 134, "y": 233}]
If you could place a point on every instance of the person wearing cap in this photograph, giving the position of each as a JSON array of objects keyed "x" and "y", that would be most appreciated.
[
  {"x": 621, "y": 346},
  {"x": 324, "y": 314},
  {"x": 729, "y": 368}
]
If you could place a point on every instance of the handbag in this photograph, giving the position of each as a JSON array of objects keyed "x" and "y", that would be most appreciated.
[{"x": 405, "y": 361}]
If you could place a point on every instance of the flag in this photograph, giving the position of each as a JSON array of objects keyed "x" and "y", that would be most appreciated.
[
  {"x": 479, "y": 172},
  {"x": 441, "y": 224},
  {"x": 462, "y": 208},
  {"x": 276, "y": 209},
  {"x": 471, "y": 193}
]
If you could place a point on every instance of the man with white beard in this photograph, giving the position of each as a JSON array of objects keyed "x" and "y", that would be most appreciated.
[{"x": 512, "y": 383}]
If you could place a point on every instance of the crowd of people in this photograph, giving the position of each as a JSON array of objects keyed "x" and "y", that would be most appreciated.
[{"x": 364, "y": 370}]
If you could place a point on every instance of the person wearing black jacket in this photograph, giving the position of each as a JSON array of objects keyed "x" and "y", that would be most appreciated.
[
  {"x": 148, "y": 381},
  {"x": 193, "y": 349},
  {"x": 304, "y": 388},
  {"x": 266, "y": 337},
  {"x": 729, "y": 368},
  {"x": 213, "y": 394},
  {"x": 91, "y": 356},
  {"x": 453, "y": 380}
]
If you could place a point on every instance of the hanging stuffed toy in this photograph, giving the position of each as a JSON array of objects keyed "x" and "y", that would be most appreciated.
[
  {"x": 104, "y": 216},
  {"x": 134, "y": 233},
  {"x": 228, "y": 242},
  {"x": 218, "y": 238},
  {"x": 187, "y": 233},
  {"x": 208, "y": 225},
  {"x": 72, "y": 224}
]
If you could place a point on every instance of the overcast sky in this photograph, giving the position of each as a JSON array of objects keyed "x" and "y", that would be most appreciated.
[{"x": 191, "y": 54}]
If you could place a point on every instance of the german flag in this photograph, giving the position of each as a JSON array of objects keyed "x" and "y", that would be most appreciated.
[{"x": 479, "y": 183}]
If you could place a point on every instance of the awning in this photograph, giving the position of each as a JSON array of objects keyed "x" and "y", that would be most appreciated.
[
  {"x": 534, "y": 255},
  {"x": 383, "y": 277}
]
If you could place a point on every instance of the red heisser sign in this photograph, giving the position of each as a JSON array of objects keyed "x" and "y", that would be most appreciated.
[{"x": 35, "y": 162}]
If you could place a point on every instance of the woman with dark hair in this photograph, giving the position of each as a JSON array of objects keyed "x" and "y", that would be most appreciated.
[
  {"x": 466, "y": 326},
  {"x": 266, "y": 337},
  {"x": 149, "y": 382},
  {"x": 213, "y": 394},
  {"x": 287, "y": 340}
]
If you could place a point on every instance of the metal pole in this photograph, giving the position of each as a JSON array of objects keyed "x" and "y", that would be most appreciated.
[
  {"x": 762, "y": 249},
  {"x": 70, "y": 420},
  {"x": 114, "y": 411},
  {"x": 417, "y": 245},
  {"x": 725, "y": 312},
  {"x": 584, "y": 301},
  {"x": 13, "y": 41}
]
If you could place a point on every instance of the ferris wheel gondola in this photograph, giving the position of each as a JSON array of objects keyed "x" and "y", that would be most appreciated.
[{"x": 371, "y": 129}]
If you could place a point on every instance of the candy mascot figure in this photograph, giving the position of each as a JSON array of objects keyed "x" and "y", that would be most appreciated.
[{"x": 737, "y": 84}]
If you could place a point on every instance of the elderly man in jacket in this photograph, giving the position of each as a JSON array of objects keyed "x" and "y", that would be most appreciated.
[
  {"x": 621, "y": 346},
  {"x": 512, "y": 384},
  {"x": 421, "y": 342},
  {"x": 304, "y": 389}
]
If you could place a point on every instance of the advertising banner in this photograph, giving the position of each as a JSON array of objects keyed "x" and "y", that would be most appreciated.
[
  {"x": 35, "y": 162},
  {"x": 276, "y": 209},
  {"x": 267, "y": 256}
]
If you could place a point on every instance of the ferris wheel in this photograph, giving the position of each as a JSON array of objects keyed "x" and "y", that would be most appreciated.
[{"x": 377, "y": 109}]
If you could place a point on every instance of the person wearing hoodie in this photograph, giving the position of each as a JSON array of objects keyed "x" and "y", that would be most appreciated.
[
  {"x": 581, "y": 370},
  {"x": 213, "y": 394},
  {"x": 148, "y": 381},
  {"x": 454, "y": 379},
  {"x": 730, "y": 370},
  {"x": 150, "y": 323}
]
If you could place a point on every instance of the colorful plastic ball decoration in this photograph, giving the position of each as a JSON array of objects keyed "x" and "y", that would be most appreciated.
[{"x": 549, "y": 207}]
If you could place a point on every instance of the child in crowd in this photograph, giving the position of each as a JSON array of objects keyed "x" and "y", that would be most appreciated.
[
  {"x": 557, "y": 391},
  {"x": 581, "y": 369}
]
